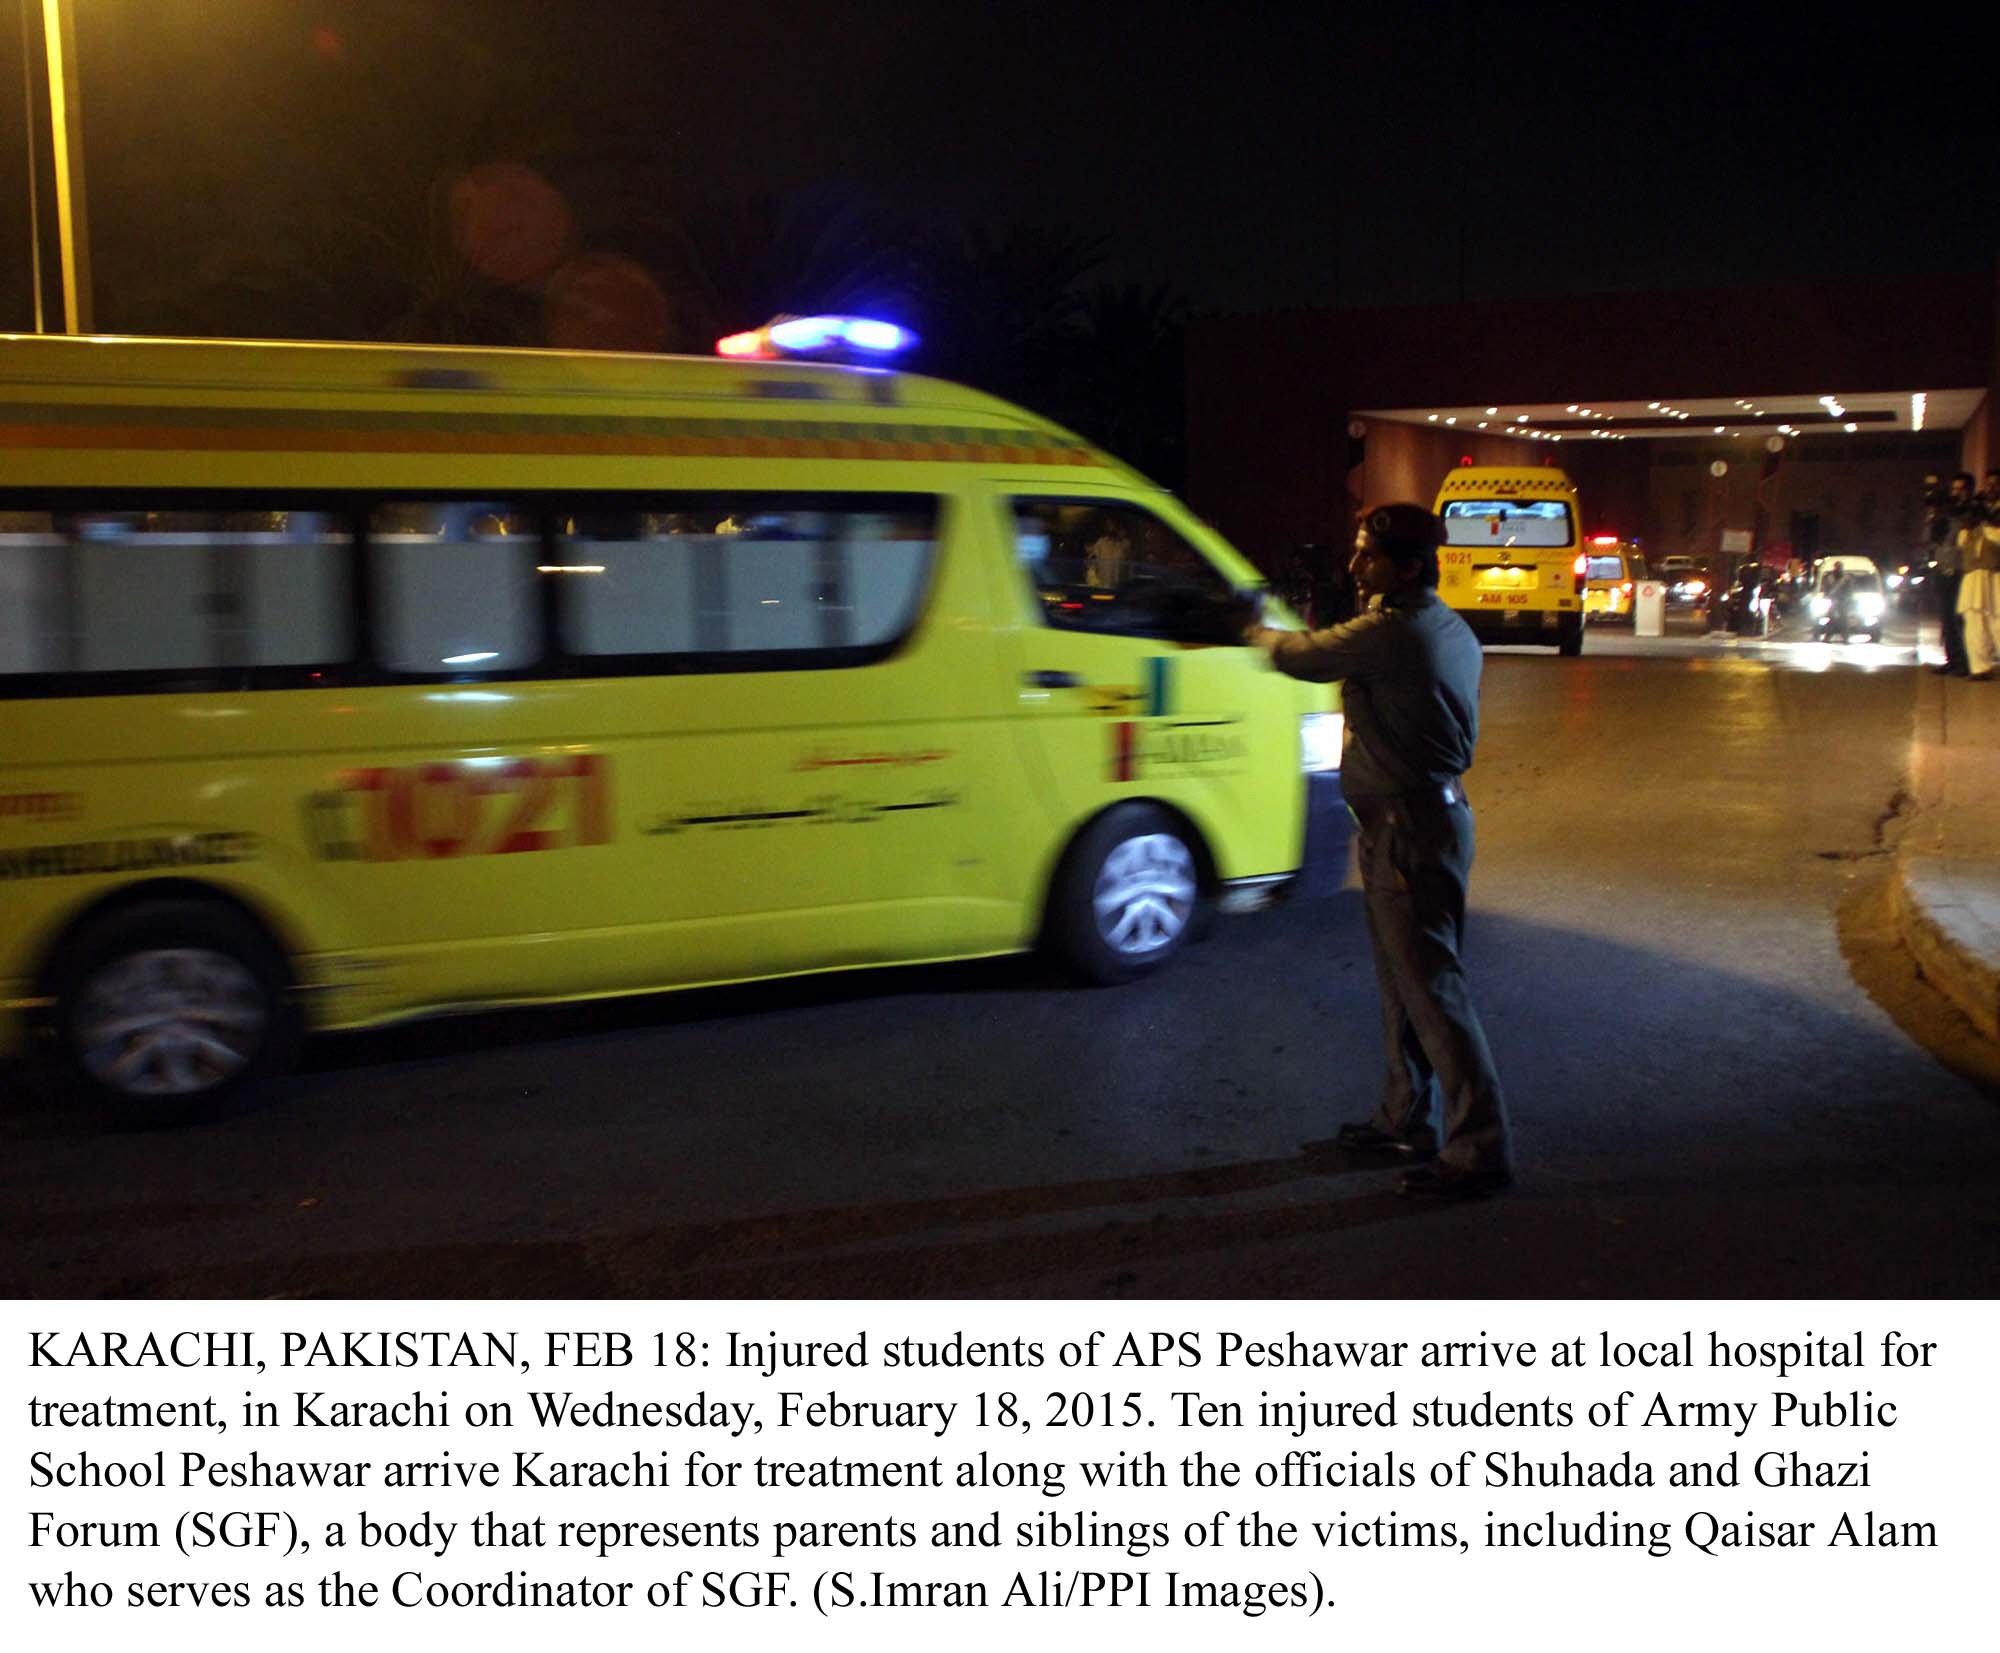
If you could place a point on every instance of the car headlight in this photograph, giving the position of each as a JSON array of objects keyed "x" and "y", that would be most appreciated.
[
  {"x": 1894, "y": 580},
  {"x": 1320, "y": 735},
  {"x": 1868, "y": 606},
  {"x": 1822, "y": 607}
]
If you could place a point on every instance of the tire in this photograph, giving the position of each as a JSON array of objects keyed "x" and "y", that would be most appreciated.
[
  {"x": 1569, "y": 635},
  {"x": 1127, "y": 897},
  {"x": 168, "y": 1010}
]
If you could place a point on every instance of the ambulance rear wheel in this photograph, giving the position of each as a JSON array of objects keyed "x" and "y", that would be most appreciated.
[
  {"x": 168, "y": 1010},
  {"x": 1569, "y": 635},
  {"x": 1128, "y": 895}
]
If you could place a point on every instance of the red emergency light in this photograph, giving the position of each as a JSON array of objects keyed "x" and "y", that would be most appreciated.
[{"x": 1603, "y": 539}]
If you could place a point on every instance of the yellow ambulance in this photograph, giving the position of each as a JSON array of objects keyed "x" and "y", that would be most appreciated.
[
  {"x": 341, "y": 684},
  {"x": 1612, "y": 577},
  {"x": 1513, "y": 561}
]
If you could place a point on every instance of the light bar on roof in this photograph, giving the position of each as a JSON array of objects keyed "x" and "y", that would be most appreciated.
[
  {"x": 865, "y": 333},
  {"x": 842, "y": 337}
]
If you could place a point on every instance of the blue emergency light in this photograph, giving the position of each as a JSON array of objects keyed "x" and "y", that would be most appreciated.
[{"x": 847, "y": 337}]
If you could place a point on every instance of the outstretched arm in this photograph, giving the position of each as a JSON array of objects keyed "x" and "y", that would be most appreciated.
[{"x": 1349, "y": 650}]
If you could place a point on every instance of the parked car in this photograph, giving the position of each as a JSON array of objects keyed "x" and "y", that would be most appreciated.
[
  {"x": 1755, "y": 601},
  {"x": 1687, "y": 581},
  {"x": 1905, "y": 583}
]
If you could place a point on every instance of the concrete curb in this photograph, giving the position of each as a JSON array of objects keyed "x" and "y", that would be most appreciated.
[
  {"x": 1947, "y": 906},
  {"x": 1942, "y": 913}
]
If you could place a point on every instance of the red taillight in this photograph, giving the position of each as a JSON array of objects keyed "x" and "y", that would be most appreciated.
[
  {"x": 1582, "y": 568},
  {"x": 1626, "y": 588}
]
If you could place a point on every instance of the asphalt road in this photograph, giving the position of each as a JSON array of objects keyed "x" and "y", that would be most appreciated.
[{"x": 1675, "y": 839}]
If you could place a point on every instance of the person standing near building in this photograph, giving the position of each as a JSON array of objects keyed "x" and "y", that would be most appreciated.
[
  {"x": 1947, "y": 520},
  {"x": 1979, "y": 583},
  {"x": 1409, "y": 669}
]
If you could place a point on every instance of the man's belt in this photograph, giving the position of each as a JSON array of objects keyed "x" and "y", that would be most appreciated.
[{"x": 1373, "y": 812}]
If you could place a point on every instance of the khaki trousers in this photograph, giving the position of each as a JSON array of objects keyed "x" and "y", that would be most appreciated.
[{"x": 1416, "y": 855}]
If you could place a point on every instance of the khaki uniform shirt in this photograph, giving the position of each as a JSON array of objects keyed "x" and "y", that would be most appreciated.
[{"x": 1409, "y": 676}]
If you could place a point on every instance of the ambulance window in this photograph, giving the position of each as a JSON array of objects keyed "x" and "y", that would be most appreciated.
[
  {"x": 452, "y": 587},
  {"x": 1606, "y": 568},
  {"x": 197, "y": 599},
  {"x": 816, "y": 579},
  {"x": 1097, "y": 565}
]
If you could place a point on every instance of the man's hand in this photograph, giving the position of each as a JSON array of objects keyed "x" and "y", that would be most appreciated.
[{"x": 1238, "y": 613}]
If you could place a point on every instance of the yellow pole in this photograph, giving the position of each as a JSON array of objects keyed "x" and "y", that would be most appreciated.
[{"x": 66, "y": 120}]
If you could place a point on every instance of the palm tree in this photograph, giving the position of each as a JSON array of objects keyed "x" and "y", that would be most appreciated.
[
  {"x": 365, "y": 244},
  {"x": 734, "y": 264},
  {"x": 998, "y": 308},
  {"x": 336, "y": 274},
  {"x": 1131, "y": 393}
]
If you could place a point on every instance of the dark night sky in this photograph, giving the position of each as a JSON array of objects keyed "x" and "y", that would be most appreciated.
[{"x": 1255, "y": 156}]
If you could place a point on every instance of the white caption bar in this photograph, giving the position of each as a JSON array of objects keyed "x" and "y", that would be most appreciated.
[{"x": 843, "y": 1475}]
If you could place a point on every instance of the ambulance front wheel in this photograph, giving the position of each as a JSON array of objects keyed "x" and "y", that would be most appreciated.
[
  {"x": 168, "y": 1009},
  {"x": 1128, "y": 895},
  {"x": 1569, "y": 635}
]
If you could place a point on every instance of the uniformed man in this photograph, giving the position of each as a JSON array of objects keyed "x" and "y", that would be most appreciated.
[{"x": 1409, "y": 670}]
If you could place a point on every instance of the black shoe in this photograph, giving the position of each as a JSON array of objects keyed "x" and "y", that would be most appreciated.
[
  {"x": 1444, "y": 1183},
  {"x": 1363, "y": 1137},
  {"x": 1359, "y": 1147}
]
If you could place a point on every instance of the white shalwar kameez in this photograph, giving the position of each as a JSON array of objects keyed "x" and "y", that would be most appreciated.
[{"x": 1979, "y": 604}]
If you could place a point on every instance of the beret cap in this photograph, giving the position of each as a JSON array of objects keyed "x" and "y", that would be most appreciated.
[{"x": 1403, "y": 529}]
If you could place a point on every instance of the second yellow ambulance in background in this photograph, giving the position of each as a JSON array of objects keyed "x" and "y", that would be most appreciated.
[{"x": 1513, "y": 562}]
